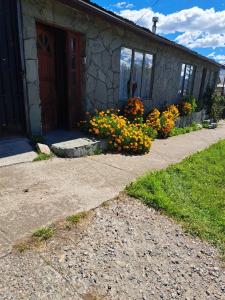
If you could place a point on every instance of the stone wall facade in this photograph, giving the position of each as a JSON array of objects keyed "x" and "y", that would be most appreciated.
[{"x": 102, "y": 68}]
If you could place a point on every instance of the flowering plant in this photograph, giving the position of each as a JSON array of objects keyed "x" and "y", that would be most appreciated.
[
  {"x": 188, "y": 105},
  {"x": 186, "y": 108},
  {"x": 167, "y": 124},
  {"x": 153, "y": 119},
  {"x": 163, "y": 122},
  {"x": 121, "y": 134},
  {"x": 134, "y": 109},
  {"x": 173, "y": 109}
]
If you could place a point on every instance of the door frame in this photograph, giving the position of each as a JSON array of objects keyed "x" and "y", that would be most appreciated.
[{"x": 82, "y": 54}]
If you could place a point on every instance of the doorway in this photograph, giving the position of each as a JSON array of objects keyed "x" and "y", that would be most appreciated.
[
  {"x": 59, "y": 59},
  {"x": 12, "y": 110}
]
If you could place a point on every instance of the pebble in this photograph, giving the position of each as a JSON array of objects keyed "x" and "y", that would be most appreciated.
[{"x": 127, "y": 252}]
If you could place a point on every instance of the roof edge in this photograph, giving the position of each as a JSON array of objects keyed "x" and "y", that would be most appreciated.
[{"x": 93, "y": 8}]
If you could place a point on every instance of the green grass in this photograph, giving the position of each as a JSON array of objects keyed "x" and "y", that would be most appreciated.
[
  {"x": 183, "y": 130},
  {"x": 76, "y": 218},
  {"x": 44, "y": 233},
  {"x": 43, "y": 156},
  {"x": 192, "y": 192}
]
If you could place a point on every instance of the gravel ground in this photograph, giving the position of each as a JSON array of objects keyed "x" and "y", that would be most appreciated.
[{"x": 123, "y": 250}]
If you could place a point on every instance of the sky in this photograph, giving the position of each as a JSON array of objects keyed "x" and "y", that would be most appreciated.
[{"x": 197, "y": 24}]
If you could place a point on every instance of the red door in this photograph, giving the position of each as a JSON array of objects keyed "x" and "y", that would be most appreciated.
[
  {"x": 74, "y": 77},
  {"x": 47, "y": 76}
]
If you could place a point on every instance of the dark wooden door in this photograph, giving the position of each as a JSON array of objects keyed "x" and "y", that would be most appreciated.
[
  {"x": 12, "y": 113},
  {"x": 47, "y": 76},
  {"x": 74, "y": 78}
]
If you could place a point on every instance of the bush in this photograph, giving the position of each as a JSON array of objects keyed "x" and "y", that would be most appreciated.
[
  {"x": 185, "y": 108},
  {"x": 206, "y": 101},
  {"x": 188, "y": 106},
  {"x": 163, "y": 122},
  {"x": 134, "y": 110},
  {"x": 167, "y": 124},
  {"x": 149, "y": 131},
  {"x": 121, "y": 134},
  {"x": 173, "y": 109},
  {"x": 218, "y": 107},
  {"x": 153, "y": 119},
  {"x": 187, "y": 129}
]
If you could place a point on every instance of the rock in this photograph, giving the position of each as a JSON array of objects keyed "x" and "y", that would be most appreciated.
[{"x": 42, "y": 148}]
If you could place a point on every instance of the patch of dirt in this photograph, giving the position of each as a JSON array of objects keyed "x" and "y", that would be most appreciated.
[{"x": 127, "y": 251}]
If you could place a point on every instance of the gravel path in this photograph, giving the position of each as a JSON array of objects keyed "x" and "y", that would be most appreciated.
[{"x": 123, "y": 250}]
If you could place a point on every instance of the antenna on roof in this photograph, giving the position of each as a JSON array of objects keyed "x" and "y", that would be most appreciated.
[{"x": 155, "y": 20}]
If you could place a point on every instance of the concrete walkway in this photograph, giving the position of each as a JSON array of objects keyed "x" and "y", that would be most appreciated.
[
  {"x": 15, "y": 151},
  {"x": 37, "y": 193}
]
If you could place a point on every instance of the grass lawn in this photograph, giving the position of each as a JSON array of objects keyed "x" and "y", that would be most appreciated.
[{"x": 192, "y": 192}]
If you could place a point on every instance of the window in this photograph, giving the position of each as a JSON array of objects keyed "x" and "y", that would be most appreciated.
[
  {"x": 187, "y": 80},
  {"x": 135, "y": 74},
  {"x": 221, "y": 82}
]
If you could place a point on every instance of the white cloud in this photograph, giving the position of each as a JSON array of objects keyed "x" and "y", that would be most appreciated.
[
  {"x": 123, "y": 5},
  {"x": 219, "y": 57},
  {"x": 196, "y": 27},
  {"x": 201, "y": 40}
]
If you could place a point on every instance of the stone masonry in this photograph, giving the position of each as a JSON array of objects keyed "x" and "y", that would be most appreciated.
[{"x": 102, "y": 68}]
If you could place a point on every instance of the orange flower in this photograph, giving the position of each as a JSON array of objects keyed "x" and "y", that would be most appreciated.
[
  {"x": 134, "y": 109},
  {"x": 174, "y": 111}
]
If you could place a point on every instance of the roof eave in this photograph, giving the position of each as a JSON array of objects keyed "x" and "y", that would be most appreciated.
[{"x": 92, "y": 9}]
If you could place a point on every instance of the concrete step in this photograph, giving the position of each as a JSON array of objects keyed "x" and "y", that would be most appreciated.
[{"x": 72, "y": 144}]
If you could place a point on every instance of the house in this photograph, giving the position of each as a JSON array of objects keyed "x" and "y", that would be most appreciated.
[{"x": 61, "y": 58}]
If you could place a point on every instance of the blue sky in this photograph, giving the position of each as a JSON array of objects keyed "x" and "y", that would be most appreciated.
[{"x": 197, "y": 24}]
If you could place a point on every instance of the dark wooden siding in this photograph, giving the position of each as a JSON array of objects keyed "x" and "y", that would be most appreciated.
[{"x": 12, "y": 119}]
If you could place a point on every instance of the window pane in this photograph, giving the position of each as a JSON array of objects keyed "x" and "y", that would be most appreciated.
[
  {"x": 125, "y": 72},
  {"x": 146, "y": 78},
  {"x": 186, "y": 81},
  {"x": 182, "y": 79},
  {"x": 137, "y": 74},
  {"x": 221, "y": 82}
]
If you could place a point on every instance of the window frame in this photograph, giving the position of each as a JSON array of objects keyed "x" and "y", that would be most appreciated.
[
  {"x": 181, "y": 91},
  {"x": 143, "y": 52}
]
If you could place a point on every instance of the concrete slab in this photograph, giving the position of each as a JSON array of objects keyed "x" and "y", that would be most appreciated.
[
  {"x": 72, "y": 144},
  {"x": 33, "y": 195},
  {"x": 15, "y": 151}
]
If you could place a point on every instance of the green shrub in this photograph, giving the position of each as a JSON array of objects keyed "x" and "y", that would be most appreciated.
[
  {"x": 183, "y": 130},
  {"x": 192, "y": 101},
  {"x": 218, "y": 107},
  {"x": 206, "y": 102}
]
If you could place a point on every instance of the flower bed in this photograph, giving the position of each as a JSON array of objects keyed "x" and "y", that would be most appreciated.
[
  {"x": 130, "y": 132},
  {"x": 120, "y": 133}
]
